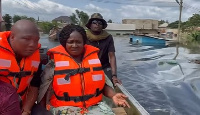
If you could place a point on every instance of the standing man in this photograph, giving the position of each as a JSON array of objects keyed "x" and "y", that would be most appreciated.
[
  {"x": 104, "y": 41},
  {"x": 19, "y": 61}
]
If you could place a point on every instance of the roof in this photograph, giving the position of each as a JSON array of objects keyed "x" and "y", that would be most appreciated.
[
  {"x": 164, "y": 25},
  {"x": 114, "y": 26},
  {"x": 62, "y": 19}
]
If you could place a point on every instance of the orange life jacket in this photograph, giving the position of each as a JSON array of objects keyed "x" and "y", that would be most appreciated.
[
  {"x": 19, "y": 75},
  {"x": 77, "y": 84}
]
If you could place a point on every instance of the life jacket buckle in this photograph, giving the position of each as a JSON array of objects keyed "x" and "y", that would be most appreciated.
[
  {"x": 81, "y": 70},
  {"x": 66, "y": 96},
  {"x": 77, "y": 99},
  {"x": 21, "y": 73}
]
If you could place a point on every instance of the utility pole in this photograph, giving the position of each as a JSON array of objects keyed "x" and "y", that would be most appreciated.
[
  {"x": 179, "y": 24},
  {"x": 179, "y": 27}
]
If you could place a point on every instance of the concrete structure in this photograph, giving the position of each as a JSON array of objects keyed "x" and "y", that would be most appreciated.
[
  {"x": 120, "y": 29},
  {"x": 143, "y": 26}
]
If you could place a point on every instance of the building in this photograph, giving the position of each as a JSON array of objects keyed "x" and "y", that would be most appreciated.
[
  {"x": 162, "y": 28},
  {"x": 166, "y": 32},
  {"x": 143, "y": 26},
  {"x": 63, "y": 19},
  {"x": 120, "y": 29}
]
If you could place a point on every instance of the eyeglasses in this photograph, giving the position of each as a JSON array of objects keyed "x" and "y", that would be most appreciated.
[{"x": 97, "y": 22}]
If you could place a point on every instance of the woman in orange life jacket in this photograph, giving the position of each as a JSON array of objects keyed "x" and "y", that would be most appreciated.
[{"x": 77, "y": 78}]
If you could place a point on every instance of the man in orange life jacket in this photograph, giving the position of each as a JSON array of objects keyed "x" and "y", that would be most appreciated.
[{"x": 19, "y": 61}]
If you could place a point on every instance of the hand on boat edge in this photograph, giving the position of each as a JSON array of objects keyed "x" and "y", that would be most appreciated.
[
  {"x": 116, "y": 80},
  {"x": 119, "y": 99}
]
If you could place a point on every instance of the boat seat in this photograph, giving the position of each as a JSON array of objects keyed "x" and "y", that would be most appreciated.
[{"x": 119, "y": 111}]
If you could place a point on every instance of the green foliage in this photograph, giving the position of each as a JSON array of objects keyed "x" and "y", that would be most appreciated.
[
  {"x": 161, "y": 22},
  {"x": 74, "y": 18},
  {"x": 194, "y": 36},
  {"x": 109, "y": 21},
  {"x": 80, "y": 18},
  {"x": 17, "y": 17},
  {"x": 173, "y": 25},
  {"x": 47, "y": 26},
  {"x": 194, "y": 20},
  {"x": 8, "y": 19},
  {"x": 31, "y": 19},
  {"x": 191, "y": 24}
]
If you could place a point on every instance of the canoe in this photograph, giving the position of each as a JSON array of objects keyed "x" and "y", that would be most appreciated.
[{"x": 136, "y": 108}]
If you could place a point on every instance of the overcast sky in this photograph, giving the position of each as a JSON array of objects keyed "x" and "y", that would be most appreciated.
[{"x": 115, "y": 10}]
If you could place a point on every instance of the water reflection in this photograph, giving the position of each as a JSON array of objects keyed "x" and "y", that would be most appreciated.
[
  {"x": 151, "y": 58},
  {"x": 163, "y": 80}
]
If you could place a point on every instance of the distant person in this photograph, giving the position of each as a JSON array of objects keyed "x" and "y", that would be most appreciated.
[
  {"x": 19, "y": 61},
  {"x": 99, "y": 38},
  {"x": 9, "y": 102}
]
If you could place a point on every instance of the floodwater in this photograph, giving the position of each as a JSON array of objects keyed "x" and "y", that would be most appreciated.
[{"x": 162, "y": 85}]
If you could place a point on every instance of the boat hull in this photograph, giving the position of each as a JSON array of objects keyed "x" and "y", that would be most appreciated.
[
  {"x": 146, "y": 40},
  {"x": 135, "y": 107}
]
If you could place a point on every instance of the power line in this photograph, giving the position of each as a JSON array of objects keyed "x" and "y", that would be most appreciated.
[
  {"x": 159, "y": 4},
  {"x": 27, "y": 5},
  {"x": 23, "y": 5},
  {"x": 187, "y": 6}
]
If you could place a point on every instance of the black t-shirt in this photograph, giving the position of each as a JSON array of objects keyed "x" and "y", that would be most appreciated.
[
  {"x": 35, "y": 82},
  {"x": 105, "y": 46}
]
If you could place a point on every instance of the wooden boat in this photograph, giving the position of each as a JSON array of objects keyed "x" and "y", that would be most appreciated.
[
  {"x": 147, "y": 40},
  {"x": 136, "y": 108},
  {"x": 150, "y": 40}
]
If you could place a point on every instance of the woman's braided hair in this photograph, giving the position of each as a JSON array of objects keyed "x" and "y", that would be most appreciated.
[{"x": 67, "y": 30}]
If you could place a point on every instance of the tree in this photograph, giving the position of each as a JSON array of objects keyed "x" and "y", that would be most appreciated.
[
  {"x": 173, "y": 25},
  {"x": 192, "y": 23},
  {"x": 24, "y": 17},
  {"x": 80, "y": 18},
  {"x": 8, "y": 19},
  {"x": 28, "y": 18},
  {"x": 47, "y": 26},
  {"x": 109, "y": 21},
  {"x": 74, "y": 19},
  {"x": 194, "y": 20},
  {"x": 16, "y": 18},
  {"x": 31, "y": 19},
  {"x": 161, "y": 22}
]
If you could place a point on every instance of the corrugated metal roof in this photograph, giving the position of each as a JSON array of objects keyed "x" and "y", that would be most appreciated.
[
  {"x": 164, "y": 25},
  {"x": 114, "y": 26},
  {"x": 62, "y": 18}
]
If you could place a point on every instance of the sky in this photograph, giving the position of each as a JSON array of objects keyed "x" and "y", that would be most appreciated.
[{"x": 116, "y": 10}]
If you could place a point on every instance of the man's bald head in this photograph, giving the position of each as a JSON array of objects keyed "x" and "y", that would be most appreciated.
[
  {"x": 24, "y": 26},
  {"x": 24, "y": 38}
]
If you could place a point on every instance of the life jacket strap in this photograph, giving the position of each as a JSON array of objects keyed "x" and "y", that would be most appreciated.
[
  {"x": 21, "y": 74},
  {"x": 23, "y": 92},
  {"x": 76, "y": 99},
  {"x": 71, "y": 72}
]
